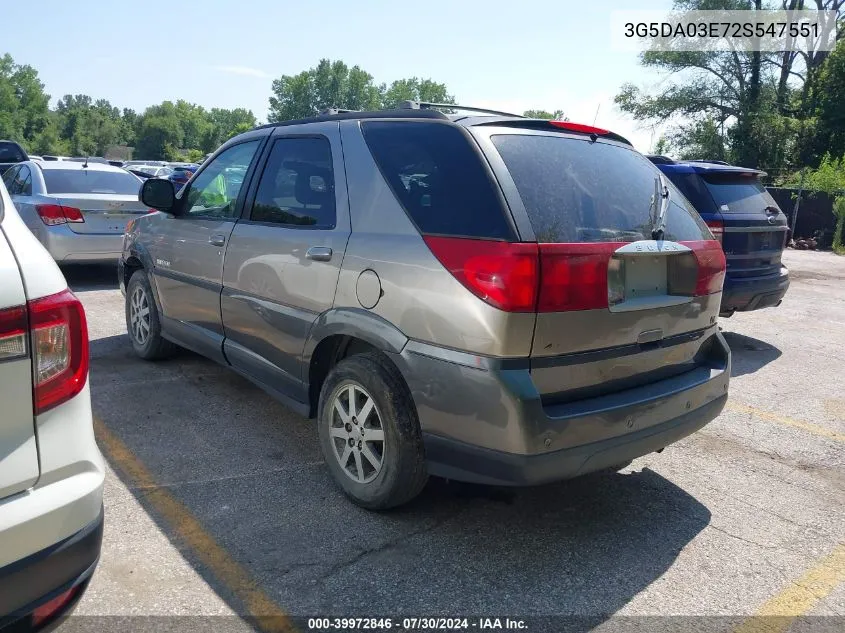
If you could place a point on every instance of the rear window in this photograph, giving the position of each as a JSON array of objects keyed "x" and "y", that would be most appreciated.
[
  {"x": 90, "y": 181},
  {"x": 11, "y": 153},
  {"x": 741, "y": 194},
  {"x": 692, "y": 186},
  {"x": 438, "y": 178},
  {"x": 581, "y": 191}
]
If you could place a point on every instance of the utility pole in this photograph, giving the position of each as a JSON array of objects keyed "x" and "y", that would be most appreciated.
[{"x": 798, "y": 202}]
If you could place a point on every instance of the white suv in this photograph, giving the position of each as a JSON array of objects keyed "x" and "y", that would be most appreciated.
[{"x": 51, "y": 472}]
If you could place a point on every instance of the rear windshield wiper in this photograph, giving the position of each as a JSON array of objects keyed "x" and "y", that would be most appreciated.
[{"x": 661, "y": 192}]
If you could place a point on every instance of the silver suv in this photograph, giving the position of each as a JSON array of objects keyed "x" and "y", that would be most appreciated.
[{"x": 491, "y": 299}]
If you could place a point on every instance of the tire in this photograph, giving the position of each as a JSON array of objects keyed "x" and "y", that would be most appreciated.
[
  {"x": 154, "y": 346},
  {"x": 401, "y": 474}
]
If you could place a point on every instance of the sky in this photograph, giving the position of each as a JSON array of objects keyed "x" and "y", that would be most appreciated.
[{"x": 547, "y": 55}]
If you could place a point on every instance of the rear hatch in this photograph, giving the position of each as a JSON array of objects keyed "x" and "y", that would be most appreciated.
[
  {"x": 92, "y": 201},
  {"x": 616, "y": 308},
  {"x": 754, "y": 227},
  {"x": 18, "y": 453}
]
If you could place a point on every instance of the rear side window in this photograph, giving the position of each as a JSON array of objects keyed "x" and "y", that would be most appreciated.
[
  {"x": 297, "y": 186},
  {"x": 581, "y": 191},
  {"x": 438, "y": 178},
  {"x": 741, "y": 194},
  {"x": 692, "y": 186},
  {"x": 90, "y": 181}
]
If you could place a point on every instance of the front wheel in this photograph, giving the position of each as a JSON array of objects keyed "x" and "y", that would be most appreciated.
[
  {"x": 369, "y": 433},
  {"x": 142, "y": 320}
]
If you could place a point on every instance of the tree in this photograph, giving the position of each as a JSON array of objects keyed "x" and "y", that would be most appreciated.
[
  {"x": 24, "y": 107},
  {"x": 332, "y": 84},
  {"x": 414, "y": 89},
  {"x": 159, "y": 133},
  {"x": 830, "y": 134},
  {"x": 557, "y": 115}
]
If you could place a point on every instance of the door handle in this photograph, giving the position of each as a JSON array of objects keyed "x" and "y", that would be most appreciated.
[
  {"x": 319, "y": 253},
  {"x": 217, "y": 240}
]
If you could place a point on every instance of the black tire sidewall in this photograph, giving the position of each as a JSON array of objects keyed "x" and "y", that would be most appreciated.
[
  {"x": 403, "y": 450},
  {"x": 150, "y": 348}
]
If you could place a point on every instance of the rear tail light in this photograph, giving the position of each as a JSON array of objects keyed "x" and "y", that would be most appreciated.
[
  {"x": 59, "y": 334},
  {"x": 574, "y": 276},
  {"x": 53, "y": 607},
  {"x": 53, "y": 214},
  {"x": 13, "y": 332},
  {"x": 717, "y": 228},
  {"x": 529, "y": 277},
  {"x": 711, "y": 266},
  {"x": 503, "y": 274}
]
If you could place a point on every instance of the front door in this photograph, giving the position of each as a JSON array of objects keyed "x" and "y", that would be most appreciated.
[
  {"x": 188, "y": 266},
  {"x": 284, "y": 258}
]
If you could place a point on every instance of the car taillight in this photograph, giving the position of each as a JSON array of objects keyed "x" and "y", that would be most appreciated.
[
  {"x": 711, "y": 266},
  {"x": 59, "y": 334},
  {"x": 53, "y": 214},
  {"x": 503, "y": 274},
  {"x": 574, "y": 276},
  {"x": 52, "y": 607},
  {"x": 717, "y": 228},
  {"x": 13, "y": 331}
]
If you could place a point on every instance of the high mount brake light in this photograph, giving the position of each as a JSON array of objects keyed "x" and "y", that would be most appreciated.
[{"x": 579, "y": 127}]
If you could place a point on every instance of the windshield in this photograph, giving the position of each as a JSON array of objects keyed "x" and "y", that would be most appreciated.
[
  {"x": 581, "y": 191},
  {"x": 90, "y": 181},
  {"x": 739, "y": 193}
]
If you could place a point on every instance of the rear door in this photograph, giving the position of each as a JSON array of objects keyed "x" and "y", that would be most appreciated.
[
  {"x": 755, "y": 229},
  {"x": 617, "y": 309},
  {"x": 18, "y": 453},
  {"x": 283, "y": 259},
  {"x": 95, "y": 201}
]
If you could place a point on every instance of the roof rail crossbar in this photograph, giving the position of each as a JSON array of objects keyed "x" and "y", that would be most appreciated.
[
  {"x": 426, "y": 105},
  {"x": 336, "y": 111}
]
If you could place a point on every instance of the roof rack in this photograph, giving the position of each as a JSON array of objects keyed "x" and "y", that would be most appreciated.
[
  {"x": 657, "y": 159},
  {"x": 330, "y": 111},
  {"x": 426, "y": 105},
  {"x": 358, "y": 114}
]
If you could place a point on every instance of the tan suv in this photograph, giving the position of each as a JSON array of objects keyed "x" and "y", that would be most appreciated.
[{"x": 481, "y": 297}]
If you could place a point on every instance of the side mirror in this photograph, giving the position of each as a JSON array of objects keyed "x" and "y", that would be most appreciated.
[{"x": 158, "y": 193}]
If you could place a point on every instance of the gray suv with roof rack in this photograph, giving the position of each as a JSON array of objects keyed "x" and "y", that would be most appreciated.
[{"x": 481, "y": 297}]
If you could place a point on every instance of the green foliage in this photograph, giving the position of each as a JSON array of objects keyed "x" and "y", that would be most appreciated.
[
  {"x": 24, "y": 107},
  {"x": 332, "y": 84},
  {"x": 557, "y": 115},
  {"x": 831, "y": 110}
]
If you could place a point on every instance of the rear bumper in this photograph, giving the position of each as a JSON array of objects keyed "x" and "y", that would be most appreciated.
[
  {"x": 465, "y": 462},
  {"x": 743, "y": 295},
  {"x": 30, "y": 582},
  {"x": 484, "y": 421},
  {"x": 68, "y": 247}
]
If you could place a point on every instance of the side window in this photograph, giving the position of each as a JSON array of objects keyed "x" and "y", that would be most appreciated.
[
  {"x": 297, "y": 186},
  {"x": 9, "y": 178},
  {"x": 438, "y": 178},
  {"x": 693, "y": 188},
  {"x": 24, "y": 181},
  {"x": 215, "y": 192}
]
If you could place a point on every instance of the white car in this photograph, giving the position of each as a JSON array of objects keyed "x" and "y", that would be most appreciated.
[{"x": 51, "y": 471}]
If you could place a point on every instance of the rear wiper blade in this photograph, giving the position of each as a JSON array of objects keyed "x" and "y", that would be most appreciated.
[{"x": 661, "y": 192}]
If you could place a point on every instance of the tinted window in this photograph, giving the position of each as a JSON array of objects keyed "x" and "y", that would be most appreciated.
[
  {"x": 215, "y": 191},
  {"x": 9, "y": 177},
  {"x": 90, "y": 181},
  {"x": 741, "y": 194},
  {"x": 23, "y": 182},
  {"x": 578, "y": 191},
  {"x": 692, "y": 186},
  {"x": 438, "y": 178},
  {"x": 11, "y": 153},
  {"x": 297, "y": 186}
]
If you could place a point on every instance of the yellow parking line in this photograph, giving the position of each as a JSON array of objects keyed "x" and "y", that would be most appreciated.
[
  {"x": 782, "y": 419},
  {"x": 776, "y": 615},
  {"x": 269, "y": 617}
]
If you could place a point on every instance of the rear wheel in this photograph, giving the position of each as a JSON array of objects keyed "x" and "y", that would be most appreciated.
[
  {"x": 142, "y": 320},
  {"x": 369, "y": 433}
]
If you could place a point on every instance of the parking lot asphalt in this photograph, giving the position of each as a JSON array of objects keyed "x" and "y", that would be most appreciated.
[{"x": 218, "y": 502}]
